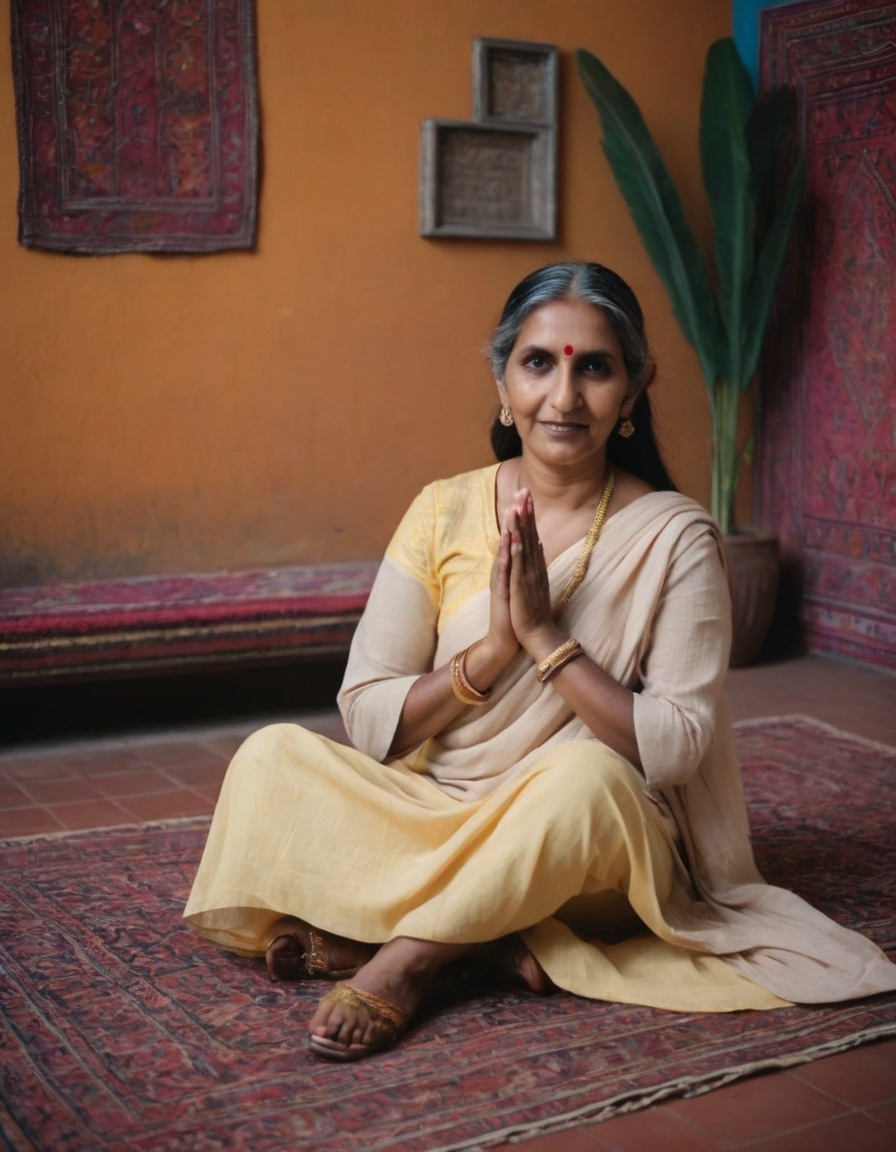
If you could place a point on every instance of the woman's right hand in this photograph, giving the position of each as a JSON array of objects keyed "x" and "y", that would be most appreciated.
[
  {"x": 431, "y": 703},
  {"x": 487, "y": 658},
  {"x": 501, "y": 639}
]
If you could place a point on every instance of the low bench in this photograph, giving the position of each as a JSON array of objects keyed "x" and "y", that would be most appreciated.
[{"x": 179, "y": 623}]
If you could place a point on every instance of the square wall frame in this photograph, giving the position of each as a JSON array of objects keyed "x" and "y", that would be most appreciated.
[
  {"x": 495, "y": 177},
  {"x": 482, "y": 181},
  {"x": 514, "y": 81}
]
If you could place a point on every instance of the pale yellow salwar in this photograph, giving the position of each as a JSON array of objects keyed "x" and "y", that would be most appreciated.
[
  {"x": 412, "y": 861},
  {"x": 628, "y": 886}
]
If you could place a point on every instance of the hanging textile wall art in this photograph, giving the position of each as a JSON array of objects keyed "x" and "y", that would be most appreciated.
[
  {"x": 137, "y": 124},
  {"x": 827, "y": 466}
]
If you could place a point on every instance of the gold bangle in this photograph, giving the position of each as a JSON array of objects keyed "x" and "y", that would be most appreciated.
[
  {"x": 461, "y": 686},
  {"x": 560, "y": 656}
]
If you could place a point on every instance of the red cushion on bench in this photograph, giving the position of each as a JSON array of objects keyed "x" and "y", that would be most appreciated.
[{"x": 176, "y": 622}]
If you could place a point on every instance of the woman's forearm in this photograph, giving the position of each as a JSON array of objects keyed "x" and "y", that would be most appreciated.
[
  {"x": 432, "y": 704},
  {"x": 599, "y": 701}
]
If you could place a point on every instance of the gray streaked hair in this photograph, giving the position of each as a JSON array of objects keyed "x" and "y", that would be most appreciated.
[{"x": 576, "y": 280}]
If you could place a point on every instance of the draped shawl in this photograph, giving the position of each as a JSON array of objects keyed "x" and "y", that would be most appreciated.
[{"x": 654, "y": 612}]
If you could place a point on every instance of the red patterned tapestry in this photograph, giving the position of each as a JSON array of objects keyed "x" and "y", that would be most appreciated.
[
  {"x": 120, "y": 1029},
  {"x": 137, "y": 124},
  {"x": 827, "y": 472}
]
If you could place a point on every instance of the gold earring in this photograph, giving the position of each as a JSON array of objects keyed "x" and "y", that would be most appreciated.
[
  {"x": 626, "y": 429},
  {"x": 506, "y": 417}
]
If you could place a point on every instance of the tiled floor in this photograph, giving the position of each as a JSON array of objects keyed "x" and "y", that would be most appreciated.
[{"x": 842, "y": 1102}]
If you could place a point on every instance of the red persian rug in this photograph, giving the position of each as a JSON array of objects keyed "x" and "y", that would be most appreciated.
[
  {"x": 121, "y": 1029},
  {"x": 137, "y": 124}
]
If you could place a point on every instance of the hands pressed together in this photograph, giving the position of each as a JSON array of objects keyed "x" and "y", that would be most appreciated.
[{"x": 521, "y": 616}]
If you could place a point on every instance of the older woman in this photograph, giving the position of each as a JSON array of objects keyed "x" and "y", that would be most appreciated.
[{"x": 543, "y": 775}]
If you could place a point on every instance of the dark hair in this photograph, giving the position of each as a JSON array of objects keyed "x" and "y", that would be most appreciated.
[{"x": 579, "y": 280}]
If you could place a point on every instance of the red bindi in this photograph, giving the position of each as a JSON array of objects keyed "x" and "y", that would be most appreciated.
[{"x": 569, "y": 349}]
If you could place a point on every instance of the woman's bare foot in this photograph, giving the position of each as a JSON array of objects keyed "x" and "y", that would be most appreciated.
[
  {"x": 511, "y": 958},
  {"x": 371, "y": 1010},
  {"x": 298, "y": 951}
]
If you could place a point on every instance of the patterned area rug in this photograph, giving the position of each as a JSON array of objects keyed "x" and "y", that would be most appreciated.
[{"x": 120, "y": 1029}]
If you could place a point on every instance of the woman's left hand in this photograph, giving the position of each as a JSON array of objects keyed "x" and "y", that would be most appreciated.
[{"x": 530, "y": 593}]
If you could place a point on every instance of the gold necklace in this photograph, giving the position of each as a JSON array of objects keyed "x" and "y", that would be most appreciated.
[{"x": 590, "y": 540}]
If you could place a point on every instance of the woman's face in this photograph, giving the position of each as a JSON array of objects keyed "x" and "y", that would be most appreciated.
[{"x": 566, "y": 384}]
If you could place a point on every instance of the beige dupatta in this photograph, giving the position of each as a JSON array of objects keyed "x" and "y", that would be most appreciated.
[{"x": 654, "y": 612}]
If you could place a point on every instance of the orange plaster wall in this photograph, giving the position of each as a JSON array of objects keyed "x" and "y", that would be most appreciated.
[{"x": 283, "y": 406}]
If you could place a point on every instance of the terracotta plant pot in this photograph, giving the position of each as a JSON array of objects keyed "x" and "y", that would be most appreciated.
[{"x": 753, "y": 572}]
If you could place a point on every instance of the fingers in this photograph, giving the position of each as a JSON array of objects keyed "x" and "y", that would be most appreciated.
[
  {"x": 529, "y": 589},
  {"x": 501, "y": 566},
  {"x": 520, "y": 520},
  {"x": 500, "y": 627}
]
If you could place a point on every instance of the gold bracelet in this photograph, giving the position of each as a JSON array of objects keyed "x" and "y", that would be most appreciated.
[
  {"x": 560, "y": 656},
  {"x": 461, "y": 686}
]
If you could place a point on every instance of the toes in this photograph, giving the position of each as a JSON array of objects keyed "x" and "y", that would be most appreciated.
[
  {"x": 325, "y": 1021},
  {"x": 352, "y": 1017},
  {"x": 333, "y": 1023}
]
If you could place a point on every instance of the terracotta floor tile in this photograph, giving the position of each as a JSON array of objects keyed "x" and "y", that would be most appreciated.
[
  {"x": 847, "y": 695},
  {"x": 37, "y": 768},
  {"x": 654, "y": 1128},
  {"x": 571, "y": 1140},
  {"x": 99, "y": 813},
  {"x": 138, "y": 782},
  {"x": 98, "y": 760},
  {"x": 69, "y": 789},
  {"x": 847, "y": 1133},
  {"x": 27, "y": 822},
  {"x": 757, "y": 1107},
  {"x": 861, "y": 1077},
  {"x": 174, "y": 753},
  {"x": 12, "y": 796},
  {"x": 166, "y": 806},
  {"x": 202, "y": 772},
  {"x": 224, "y": 745},
  {"x": 884, "y": 1114},
  {"x": 210, "y": 795}
]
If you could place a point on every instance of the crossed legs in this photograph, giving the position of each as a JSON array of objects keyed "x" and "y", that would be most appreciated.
[{"x": 383, "y": 987}]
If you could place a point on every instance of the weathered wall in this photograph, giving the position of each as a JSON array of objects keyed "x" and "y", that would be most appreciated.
[{"x": 241, "y": 410}]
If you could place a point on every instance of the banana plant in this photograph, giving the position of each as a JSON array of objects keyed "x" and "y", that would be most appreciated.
[{"x": 723, "y": 315}]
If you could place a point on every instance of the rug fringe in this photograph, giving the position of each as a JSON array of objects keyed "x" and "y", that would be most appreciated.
[
  {"x": 134, "y": 826},
  {"x": 758, "y": 721},
  {"x": 685, "y": 1086}
]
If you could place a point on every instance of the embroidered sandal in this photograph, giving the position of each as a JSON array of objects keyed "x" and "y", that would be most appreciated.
[
  {"x": 387, "y": 1021},
  {"x": 303, "y": 953}
]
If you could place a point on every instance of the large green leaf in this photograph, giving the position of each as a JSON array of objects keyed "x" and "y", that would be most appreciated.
[
  {"x": 769, "y": 125},
  {"x": 728, "y": 100},
  {"x": 656, "y": 209},
  {"x": 769, "y": 264}
]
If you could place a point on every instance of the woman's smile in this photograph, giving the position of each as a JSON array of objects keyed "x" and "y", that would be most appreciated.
[{"x": 561, "y": 428}]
